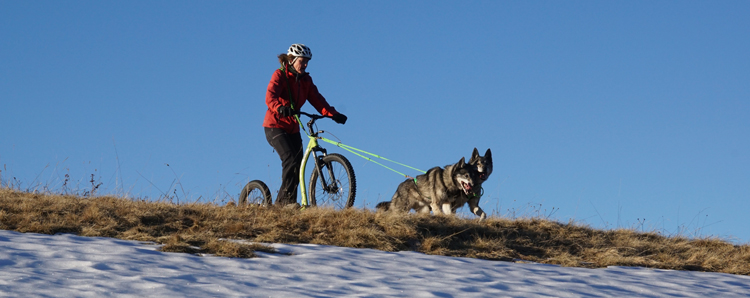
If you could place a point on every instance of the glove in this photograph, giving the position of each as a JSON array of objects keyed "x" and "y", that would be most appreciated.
[
  {"x": 339, "y": 118},
  {"x": 285, "y": 111}
]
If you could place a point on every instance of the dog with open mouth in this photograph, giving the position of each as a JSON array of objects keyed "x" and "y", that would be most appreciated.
[
  {"x": 436, "y": 191},
  {"x": 481, "y": 165}
]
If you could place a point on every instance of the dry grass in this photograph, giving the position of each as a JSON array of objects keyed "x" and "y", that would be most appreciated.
[{"x": 201, "y": 228}]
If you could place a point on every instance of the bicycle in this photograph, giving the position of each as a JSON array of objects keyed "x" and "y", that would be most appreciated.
[{"x": 332, "y": 181}]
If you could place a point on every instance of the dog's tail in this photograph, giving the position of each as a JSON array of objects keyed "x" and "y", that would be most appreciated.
[{"x": 383, "y": 206}]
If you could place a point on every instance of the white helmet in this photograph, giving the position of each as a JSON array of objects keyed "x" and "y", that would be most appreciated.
[{"x": 299, "y": 50}]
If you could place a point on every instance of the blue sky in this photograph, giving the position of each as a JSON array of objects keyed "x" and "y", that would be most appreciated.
[{"x": 615, "y": 114}]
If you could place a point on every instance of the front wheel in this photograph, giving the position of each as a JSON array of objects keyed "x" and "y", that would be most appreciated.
[
  {"x": 337, "y": 186},
  {"x": 255, "y": 192}
]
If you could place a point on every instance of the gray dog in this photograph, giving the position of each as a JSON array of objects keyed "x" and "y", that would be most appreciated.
[
  {"x": 482, "y": 168},
  {"x": 436, "y": 190}
]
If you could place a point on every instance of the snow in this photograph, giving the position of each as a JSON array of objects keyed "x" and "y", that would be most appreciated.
[{"x": 65, "y": 265}]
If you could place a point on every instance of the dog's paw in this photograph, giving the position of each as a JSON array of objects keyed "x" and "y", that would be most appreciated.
[{"x": 479, "y": 212}]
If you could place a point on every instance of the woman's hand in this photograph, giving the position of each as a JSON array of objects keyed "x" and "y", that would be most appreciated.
[
  {"x": 339, "y": 118},
  {"x": 285, "y": 111}
]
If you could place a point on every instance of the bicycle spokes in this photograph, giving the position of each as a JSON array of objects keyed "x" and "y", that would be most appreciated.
[
  {"x": 328, "y": 179},
  {"x": 336, "y": 186}
]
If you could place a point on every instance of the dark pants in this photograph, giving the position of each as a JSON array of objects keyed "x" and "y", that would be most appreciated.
[{"x": 289, "y": 148}]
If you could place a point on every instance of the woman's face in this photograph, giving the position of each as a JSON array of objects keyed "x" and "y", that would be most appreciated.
[{"x": 300, "y": 64}]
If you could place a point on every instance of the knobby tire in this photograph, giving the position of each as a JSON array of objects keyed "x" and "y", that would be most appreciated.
[
  {"x": 342, "y": 189},
  {"x": 255, "y": 192}
]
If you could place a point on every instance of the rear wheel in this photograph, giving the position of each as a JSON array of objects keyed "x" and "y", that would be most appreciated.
[
  {"x": 337, "y": 186},
  {"x": 255, "y": 193}
]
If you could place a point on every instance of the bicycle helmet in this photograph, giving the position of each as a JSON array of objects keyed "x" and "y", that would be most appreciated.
[{"x": 300, "y": 50}]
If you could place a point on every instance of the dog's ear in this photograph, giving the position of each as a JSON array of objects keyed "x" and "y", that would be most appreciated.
[
  {"x": 462, "y": 162},
  {"x": 474, "y": 155},
  {"x": 488, "y": 154}
]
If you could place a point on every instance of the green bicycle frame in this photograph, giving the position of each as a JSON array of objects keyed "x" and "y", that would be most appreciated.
[{"x": 302, "y": 187}]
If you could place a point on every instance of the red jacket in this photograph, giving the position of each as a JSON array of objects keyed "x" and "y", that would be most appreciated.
[{"x": 303, "y": 90}]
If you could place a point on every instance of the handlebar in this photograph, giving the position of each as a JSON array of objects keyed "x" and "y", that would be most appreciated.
[
  {"x": 310, "y": 123},
  {"x": 312, "y": 116}
]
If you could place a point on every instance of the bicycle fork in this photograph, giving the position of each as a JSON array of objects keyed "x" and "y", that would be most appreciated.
[{"x": 312, "y": 147}]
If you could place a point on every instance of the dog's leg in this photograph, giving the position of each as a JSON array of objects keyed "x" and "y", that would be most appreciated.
[
  {"x": 474, "y": 207},
  {"x": 447, "y": 208},
  {"x": 435, "y": 208},
  {"x": 479, "y": 212}
]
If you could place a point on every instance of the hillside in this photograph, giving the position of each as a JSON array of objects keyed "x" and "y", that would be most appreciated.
[{"x": 201, "y": 228}]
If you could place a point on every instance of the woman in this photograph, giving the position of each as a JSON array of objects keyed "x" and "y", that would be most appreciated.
[{"x": 287, "y": 92}]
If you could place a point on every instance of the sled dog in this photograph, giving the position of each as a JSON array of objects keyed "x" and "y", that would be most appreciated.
[
  {"x": 435, "y": 190},
  {"x": 482, "y": 168},
  {"x": 482, "y": 164}
]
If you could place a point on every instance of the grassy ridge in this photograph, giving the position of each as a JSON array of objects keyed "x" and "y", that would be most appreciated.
[{"x": 200, "y": 228}]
